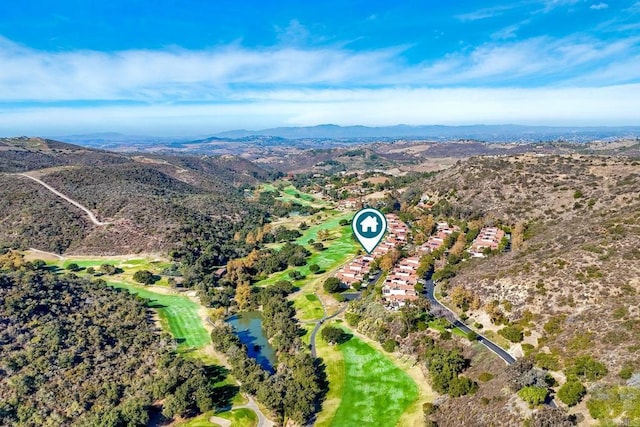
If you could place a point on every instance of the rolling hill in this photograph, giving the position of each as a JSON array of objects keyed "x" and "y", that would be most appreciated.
[
  {"x": 571, "y": 280},
  {"x": 149, "y": 201}
]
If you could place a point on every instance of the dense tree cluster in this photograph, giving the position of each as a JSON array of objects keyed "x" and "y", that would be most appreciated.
[
  {"x": 294, "y": 391},
  {"x": 571, "y": 392},
  {"x": 587, "y": 368},
  {"x": 282, "y": 234},
  {"x": 241, "y": 272},
  {"x": 145, "y": 277},
  {"x": 74, "y": 352},
  {"x": 444, "y": 364},
  {"x": 271, "y": 261},
  {"x": 334, "y": 335},
  {"x": 200, "y": 265},
  {"x": 250, "y": 374},
  {"x": 280, "y": 325},
  {"x": 332, "y": 285},
  {"x": 445, "y": 367}
]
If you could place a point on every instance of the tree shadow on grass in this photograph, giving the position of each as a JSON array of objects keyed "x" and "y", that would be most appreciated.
[
  {"x": 222, "y": 396},
  {"x": 152, "y": 304},
  {"x": 344, "y": 338},
  {"x": 216, "y": 373}
]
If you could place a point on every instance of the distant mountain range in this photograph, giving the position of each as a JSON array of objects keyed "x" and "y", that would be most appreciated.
[
  {"x": 489, "y": 133},
  {"x": 348, "y": 134}
]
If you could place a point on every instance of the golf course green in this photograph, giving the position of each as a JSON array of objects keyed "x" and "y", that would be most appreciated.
[
  {"x": 241, "y": 417},
  {"x": 177, "y": 313},
  {"x": 308, "y": 307},
  {"x": 366, "y": 386},
  {"x": 374, "y": 391},
  {"x": 341, "y": 248},
  {"x": 291, "y": 194}
]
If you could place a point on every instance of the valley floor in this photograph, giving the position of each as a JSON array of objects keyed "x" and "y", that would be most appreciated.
[{"x": 367, "y": 385}]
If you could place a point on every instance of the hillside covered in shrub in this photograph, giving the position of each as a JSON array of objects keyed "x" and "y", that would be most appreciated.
[
  {"x": 74, "y": 352},
  {"x": 152, "y": 203}
]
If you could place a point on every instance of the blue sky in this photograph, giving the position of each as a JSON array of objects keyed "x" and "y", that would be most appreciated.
[{"x": 198, "y": 67}]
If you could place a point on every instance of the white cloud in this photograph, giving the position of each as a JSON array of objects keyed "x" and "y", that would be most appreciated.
[
  {"x": 506, "y": 33},
  {"x": 214, "y": 75},
  {"x": 294, "y": 34},
  {"x": 485, "y": 13},
  {"x": 177, "y": 74},
  {"x": 615, "y": 105},
  {"x": 577, "y": 79},
  {"x": 539, "y": 59},
  {"x": 599, "y": 6},
  {"x": 550, "y": 5}
]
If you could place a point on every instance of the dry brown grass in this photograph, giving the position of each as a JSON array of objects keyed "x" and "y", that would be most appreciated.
[{"x": 581, "y": 259}]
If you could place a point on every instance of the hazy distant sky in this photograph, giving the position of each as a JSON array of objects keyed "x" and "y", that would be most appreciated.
[{"x": 187, "y": 67}]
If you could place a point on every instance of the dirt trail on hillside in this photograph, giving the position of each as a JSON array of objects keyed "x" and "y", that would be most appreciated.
[{"x": 90, "y": 214}]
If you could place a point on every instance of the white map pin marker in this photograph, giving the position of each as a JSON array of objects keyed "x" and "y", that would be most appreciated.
[{"x": 369, "y": 226}]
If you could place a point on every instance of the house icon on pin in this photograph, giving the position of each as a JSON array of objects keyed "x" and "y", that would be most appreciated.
[{"x": 369, "y": 224}]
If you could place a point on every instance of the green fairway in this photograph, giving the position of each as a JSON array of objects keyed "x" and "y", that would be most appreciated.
[
  {"x": 85, "y": 263},
  {"x": 97, "y": 262},
  {"x": 291, "y": 194},
  {"x": 438, "y": 326},
  {"x": 331, "y": 223},
  {"x": 242, "y": 417},
  {"x": 334, "y": 364},
  {"x": 199, "y": 421},
  {"x": 128, "y": 266},
  {"x": 178, "y": 314},
  {"x": 291, "y": 191},
  {"x": 335, "y": 252},
  {"x": 375, "y": 392},
  {"x": 308, "y": 308}
]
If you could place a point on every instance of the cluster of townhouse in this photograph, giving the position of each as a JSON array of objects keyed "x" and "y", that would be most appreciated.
[
  {"x": 488, "y": 238},
  {"x": 349, "y": 204},
  {"x": 400, "y": 284},
  {"x": 398, "y": 230},
  {"x": 356, "y": 270},
  {"x": 435, "y": 241}
]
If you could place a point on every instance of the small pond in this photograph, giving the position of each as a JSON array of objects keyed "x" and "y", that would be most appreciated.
[{"x": 248, "y": 327}]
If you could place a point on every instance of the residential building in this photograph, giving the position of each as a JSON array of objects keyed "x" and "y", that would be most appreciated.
[
  {"x": 488, "y": 238},
  {"x": 435, "y": 241},
  {"x": 399, "y": 286}
]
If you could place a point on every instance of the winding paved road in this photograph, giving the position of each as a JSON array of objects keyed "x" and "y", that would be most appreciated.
[
  {"x": 440, "y": 309},
  {"x": 90, "y": 214},
  {"x": 262, "y": 420},
  {"x": 252, "y": 405},
  {"x": 312, "y": 338}
]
